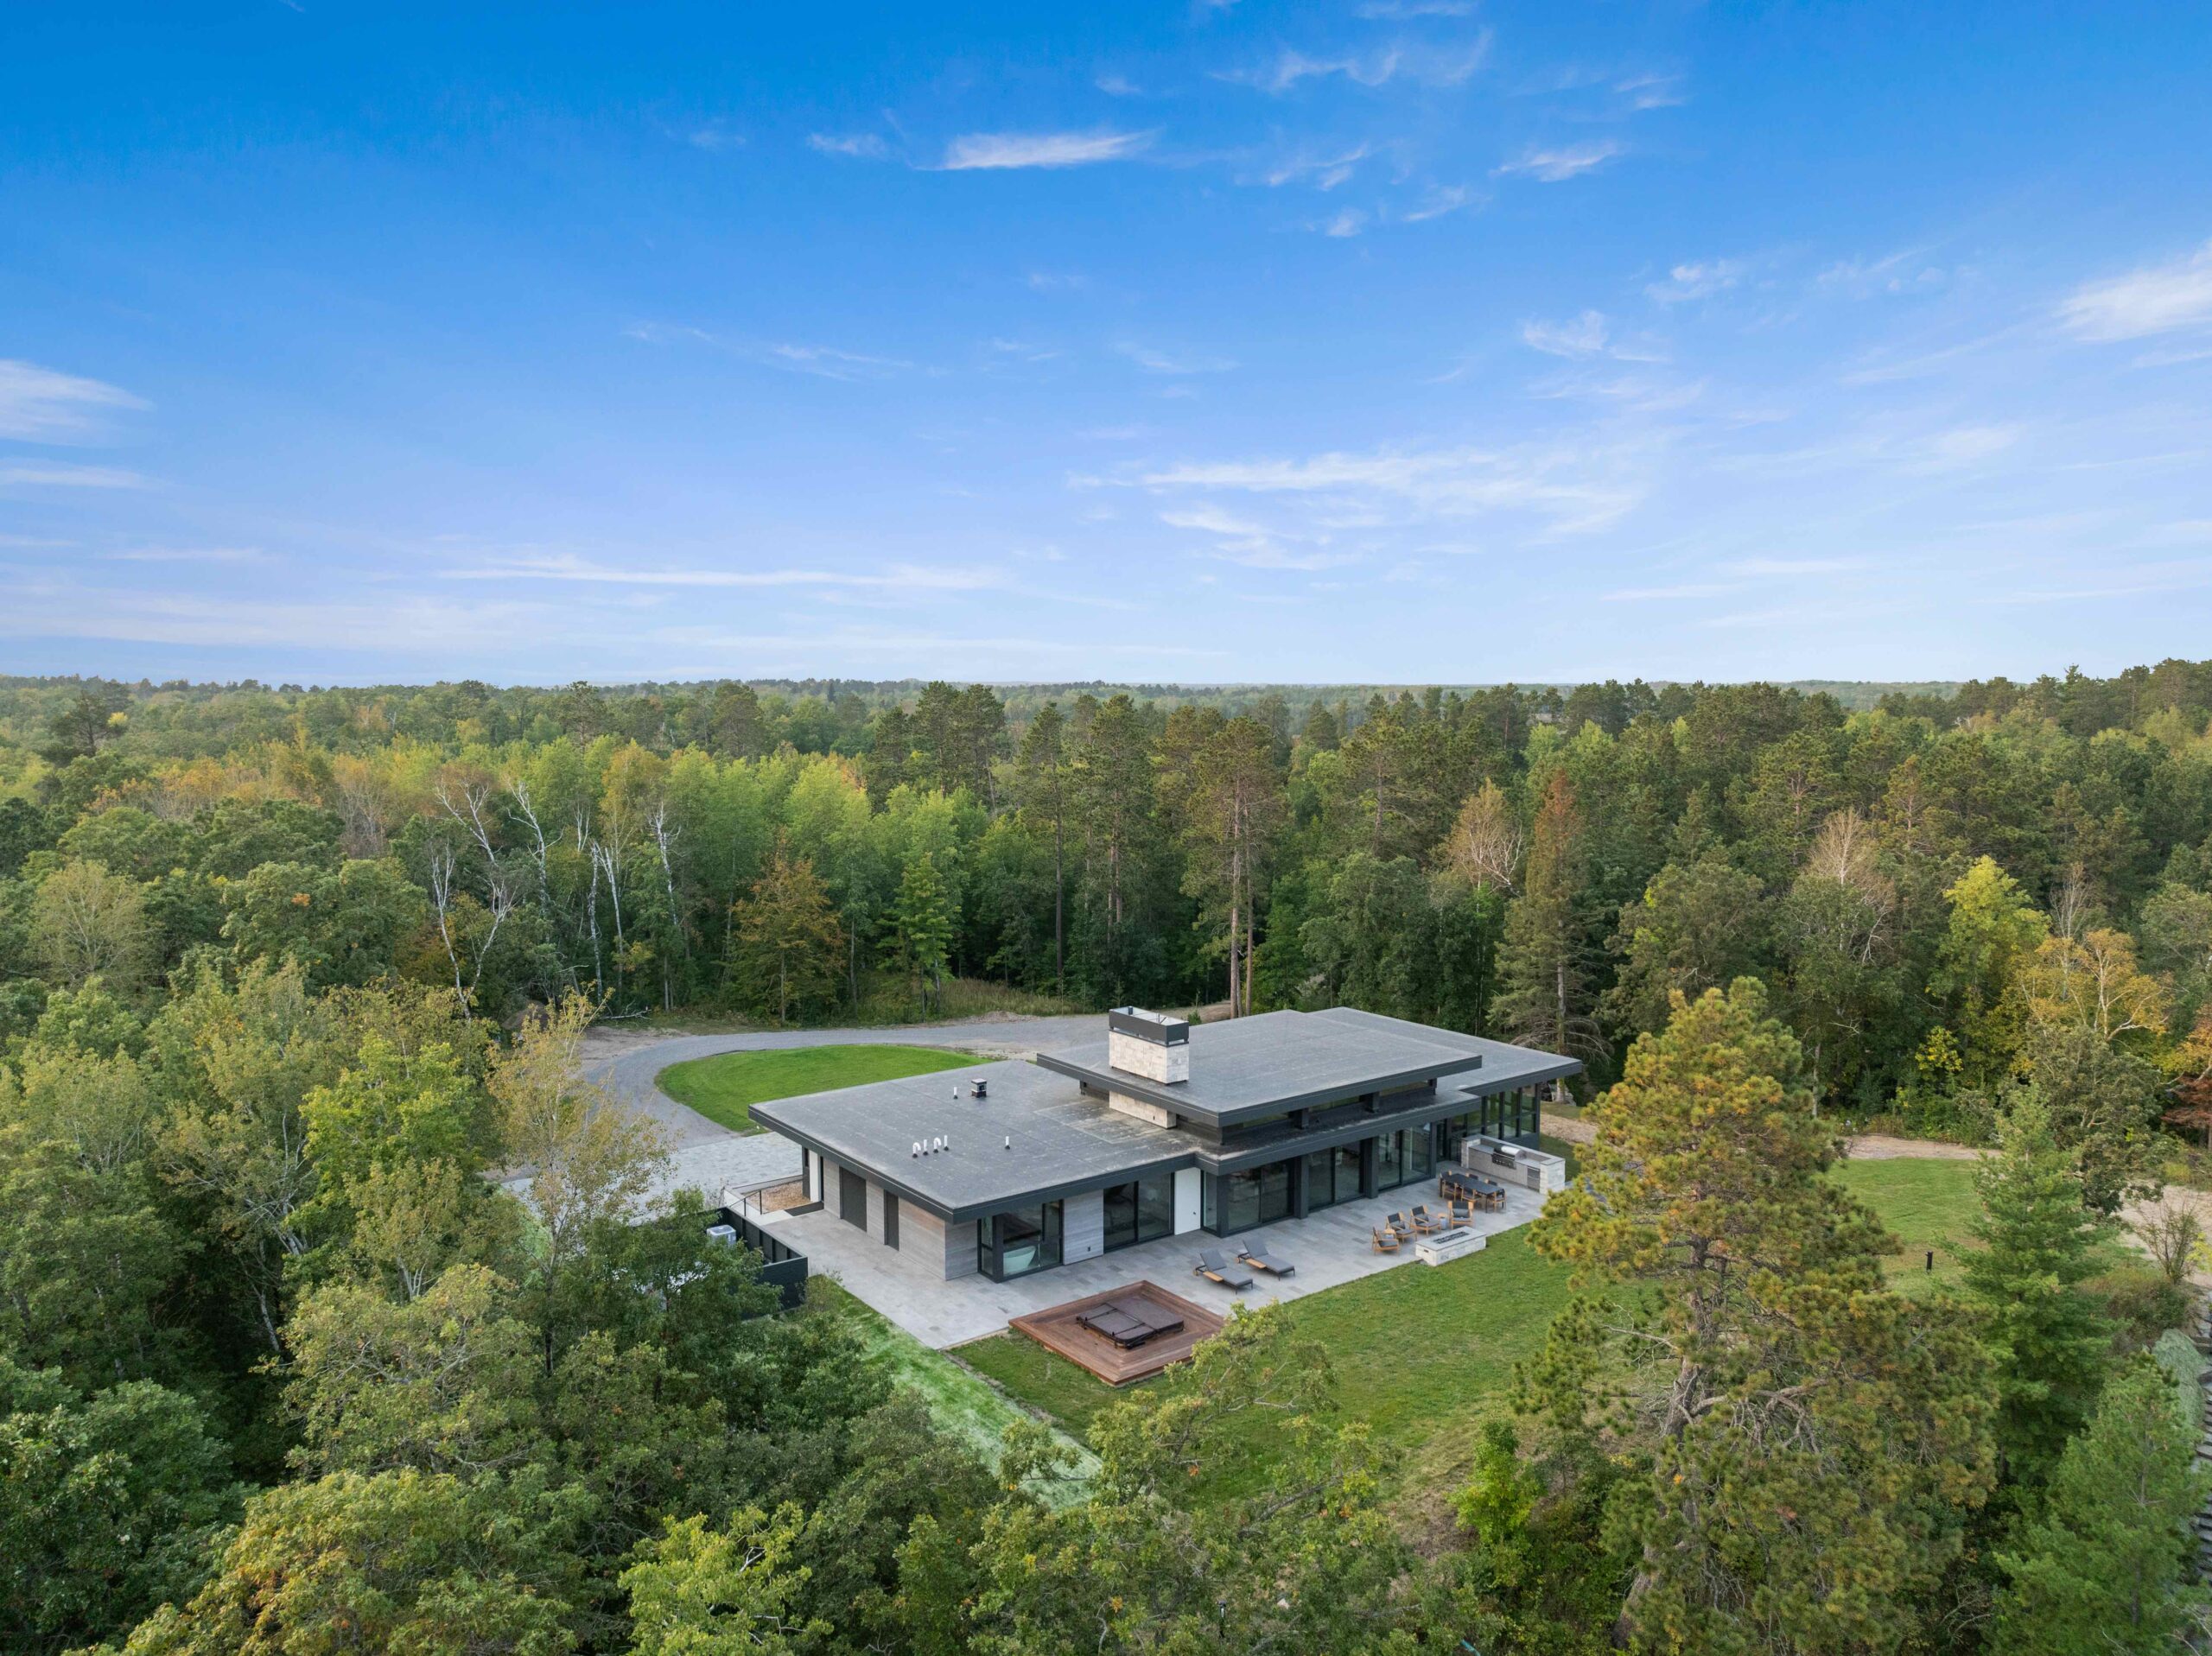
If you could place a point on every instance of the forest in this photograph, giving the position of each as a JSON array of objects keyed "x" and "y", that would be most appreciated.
[{"x": 285, "y": 973}]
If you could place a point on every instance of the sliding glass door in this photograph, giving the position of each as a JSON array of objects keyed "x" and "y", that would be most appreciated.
[{"x": 1140, "y": 1211}]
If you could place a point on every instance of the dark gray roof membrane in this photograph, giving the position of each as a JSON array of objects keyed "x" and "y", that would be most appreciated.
[{"x": 1250, "y": 1066}]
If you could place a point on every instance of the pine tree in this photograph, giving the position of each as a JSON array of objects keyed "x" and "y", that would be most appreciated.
[
  {"x": 2105, "y": 1567},
  {"x": 2039, "y": 1243},
  {"x": 1043, "y": 775},
  {"x": 1544, "y": 966},
  {"x": 1801, "y": 1444},
  {"x": 1235, "y": 808}
]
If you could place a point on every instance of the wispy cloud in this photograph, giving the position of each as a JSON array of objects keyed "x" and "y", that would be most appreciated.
[
  {"x": 567, "y": 567},
  {"x": 822, "y": 361},
  {"x": 1898, "y": 273},
  {"x": 1324, "y": 170},
  {"x": 1583, "y": 336},
  {"x": 994, "y": 151},
  {"x": 1404, "y": 11},
  {"x": 1652, "y": 92},
  {"x": 714, "y": 135},
  {"x": 857, "y": 146},
  {"x": 1350, "y": 222},
  {"x": 1154, "y": 361},
  {"x": 1699, "y": 279},
  {"x": 2156, "y": 299},
  {"x": 1253, "y": 545},
  {"x": 56, "y": 474},
  {"x": 1771, "y": 569},
  {"x": 1436, "y": 201},
  {"x": 1570, "y": 488},
  {"x": 1428, "y": 66},
  {"x": 44, "y": 405},
  {"x": 1118, "y": 87},
  {"x": 1292, "y": 66},
  {"x": 1557, "y": 165},
  {"x": 190, "y": 554},
  {"x": 1668, "y": 594}
]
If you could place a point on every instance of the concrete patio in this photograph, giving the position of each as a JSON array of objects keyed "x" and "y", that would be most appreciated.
[{"x": 1329, "y": 1248}]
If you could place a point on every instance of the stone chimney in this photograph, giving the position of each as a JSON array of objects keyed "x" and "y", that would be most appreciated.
[{"x": 1148, "y": 1043}]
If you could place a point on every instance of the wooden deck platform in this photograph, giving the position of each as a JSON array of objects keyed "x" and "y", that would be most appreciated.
[{"x": 1055, "y": 1328}]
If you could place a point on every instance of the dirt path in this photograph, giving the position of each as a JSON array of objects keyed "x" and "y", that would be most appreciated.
[{"x": 1865, "y": 1146}]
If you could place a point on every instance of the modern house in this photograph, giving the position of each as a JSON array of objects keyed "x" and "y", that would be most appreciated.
[{"x": 1160, "y": 1129}]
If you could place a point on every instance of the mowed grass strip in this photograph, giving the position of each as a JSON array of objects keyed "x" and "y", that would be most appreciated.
[
  {"x": 1425, "y": 1355},
  {"x": 725, "y": 1088}
]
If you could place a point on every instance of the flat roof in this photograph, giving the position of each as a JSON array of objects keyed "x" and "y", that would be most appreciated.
[
  {"x": 1063, "y": 1141},
  {"x": 1280, "y": 1061},
  {"x": 1504, "y": 1064}
]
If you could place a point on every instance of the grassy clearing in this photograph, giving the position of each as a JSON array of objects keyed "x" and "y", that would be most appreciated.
[
  {"x": 960, "y": 1400},
  {"x": 1927, "y": 1203},
  {"x": 725, "y": 1089},
  {"x": 1425, "y": 1355}
]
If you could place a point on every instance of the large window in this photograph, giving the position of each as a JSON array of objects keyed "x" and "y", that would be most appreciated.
[
  {"x": 1420, "y": 1153},
  {"x": 1332, "y": 1176},
  {"x": 1238, "y": 1201},
  {"x": 1140, "y": 1211},
  {"x": 1022, "y": 1240},
  {"x": 1389, "y": 1165}
]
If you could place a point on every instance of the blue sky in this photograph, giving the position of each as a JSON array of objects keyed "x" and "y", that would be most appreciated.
[{"x": 1410, "y": 340}]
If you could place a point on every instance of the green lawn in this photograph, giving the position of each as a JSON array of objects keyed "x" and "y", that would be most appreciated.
[
  {"x": 961, "y": 1401},
  {"x": 1927, "y": 1203},
  {"x": 1425, "y": 1354},
  {"x": 725, "y": 1088}
]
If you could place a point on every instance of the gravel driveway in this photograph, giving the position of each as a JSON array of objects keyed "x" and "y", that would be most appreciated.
[{"x": 626, "y": 1062}]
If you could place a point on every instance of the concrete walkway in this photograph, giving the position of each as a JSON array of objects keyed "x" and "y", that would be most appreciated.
[{"x": 1329, "y": 1248}]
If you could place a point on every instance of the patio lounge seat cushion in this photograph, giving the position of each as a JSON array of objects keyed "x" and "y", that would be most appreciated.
[
  {"x": 1215, "y": 1268},
  {"x": 1259, "y": 1259}
]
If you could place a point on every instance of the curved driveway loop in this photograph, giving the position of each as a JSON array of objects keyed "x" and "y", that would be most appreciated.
[{"x": 626, "y": 1062}]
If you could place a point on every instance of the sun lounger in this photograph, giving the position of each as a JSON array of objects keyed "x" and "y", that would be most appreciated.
[
  {"x": 1259, "y": 1259},
  {"x": 1215, "y": 1268}
]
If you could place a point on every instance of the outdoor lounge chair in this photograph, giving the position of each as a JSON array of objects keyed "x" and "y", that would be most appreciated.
[
  {"x": 1399, "y": 1223},
  {"x": 1462, "y": 1213},
  {"x": 1386, "y": 1242},
  {"x": 1259, "y": 1259},
  {"x": 1425, "y": 1223},
  {"x": 1215, "y": 1268}
]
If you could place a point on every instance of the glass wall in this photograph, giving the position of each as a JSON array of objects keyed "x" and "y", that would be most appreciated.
[
  {"x": 1405, "y": 1157},
  {"x": 1140, "y": 1211},
  {"x": 1019, "y": 1241},
  {"x": 1235, "y": 1202},
  {"x": 1516, "y": 1117},
  {"x": 1331, "y": 1175}
]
